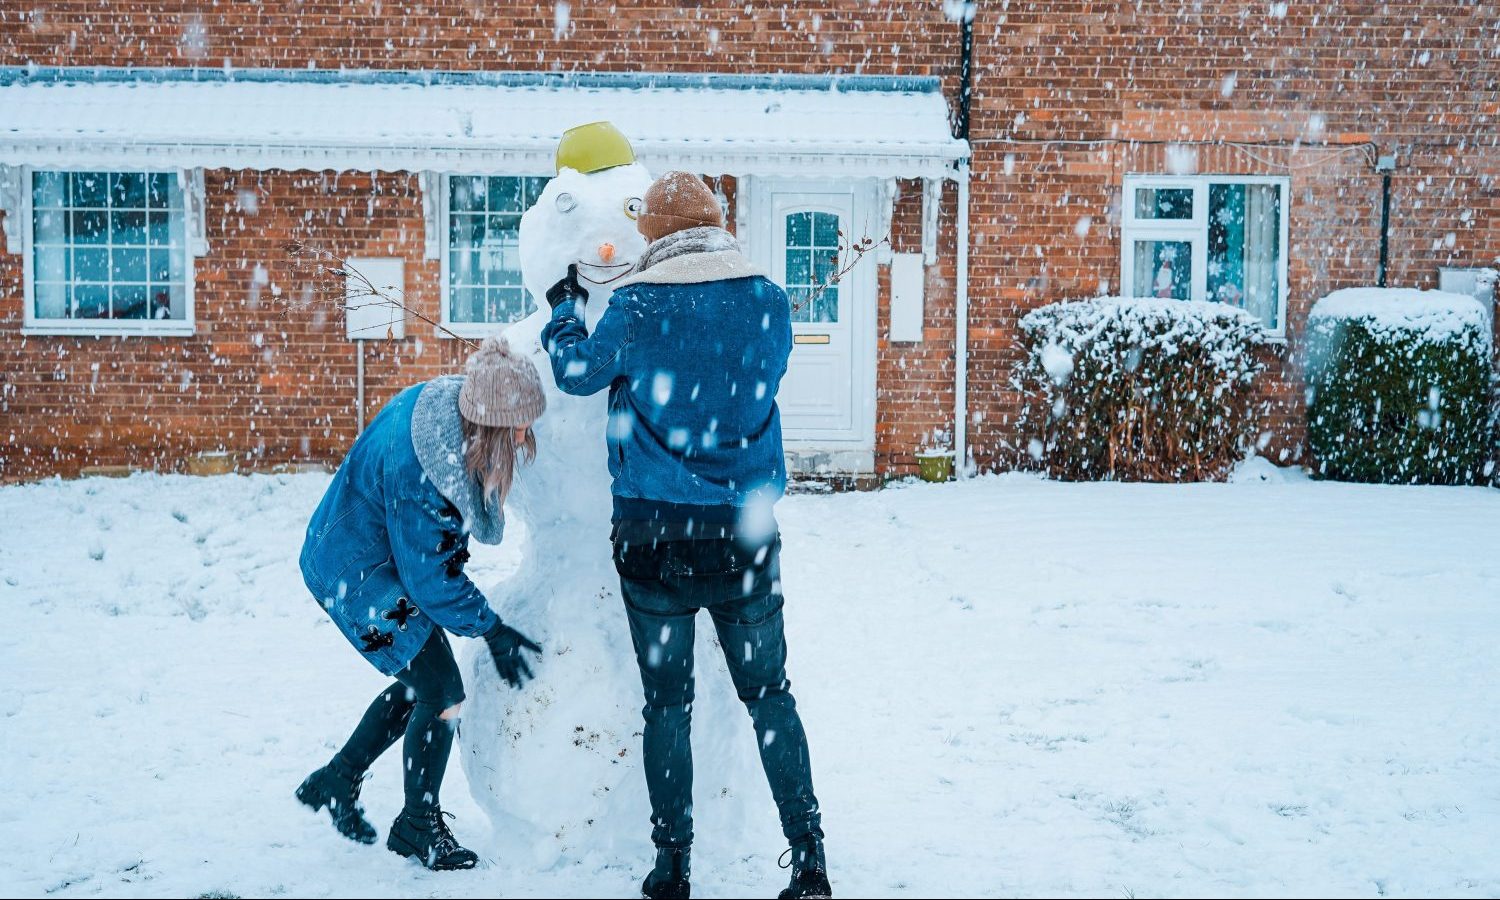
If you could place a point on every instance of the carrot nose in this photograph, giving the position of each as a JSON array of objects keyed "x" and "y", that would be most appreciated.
[{"x": 607, "y": 253}]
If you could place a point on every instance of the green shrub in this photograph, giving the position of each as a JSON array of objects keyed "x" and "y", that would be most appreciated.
[
  {"x": 1398, "y": 387},
  {"x": 1137, "y": 389}
]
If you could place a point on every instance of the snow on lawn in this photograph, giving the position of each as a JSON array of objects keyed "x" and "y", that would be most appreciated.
[{"x": 1011, "y": 687}]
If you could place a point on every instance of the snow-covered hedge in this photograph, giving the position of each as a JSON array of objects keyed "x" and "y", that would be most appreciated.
[
  {"x": 1398, "y": 387},
  {"x": 1138, "y": 389}
]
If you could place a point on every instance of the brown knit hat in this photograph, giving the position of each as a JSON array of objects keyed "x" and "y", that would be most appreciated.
[
  {"x": 678, "y": 201},
  {"x": 501, "y": 388}
]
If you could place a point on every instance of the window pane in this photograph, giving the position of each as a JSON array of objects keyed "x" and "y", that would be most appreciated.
[
  {"x": 128, "y": 265},
  {"x": 158, "y": 190},
  {"x": 159, "y": 228},
  {"x": 463, "y": 268},
  {"x": 127, "y": 190},
  {"x": 826, "y": 306},
  {"x": 90, "y": 227},
  {"x": 826, "y": 230},
  {"x": 799, "y": 229},
  {"x": 89, "y": 189},
  {"x": 505, "y": 195},
  {"x": 467, "y": 305},
  {"x": 799, "y": 267},
  {"x": 91, "y": 265},
  {"x": 1164, "y": 203},
  {"x": 1163, "y": 269},
  {"x": 168, "y": 301},
  {"x": 825, "y": 264},
  {"x": 51, "y": 300},
  {"x": 90, "y": 301},
  {"x": 801, "y": 298},
  {"x": 50, "y": 263},
  {"x": 129, "y": 302},
  {"x": 1244, "y": 234},
  {"x": 49, "y": 190},
  {"x": 128, "y": 228},
  {"x": 465, "y": 231},
  {"x": 161, "y": 265},
  {"x": 50, "y": 227}
]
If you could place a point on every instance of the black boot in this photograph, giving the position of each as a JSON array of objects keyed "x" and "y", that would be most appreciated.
[
  {"x": 809, "y": 870},
  {"x": 425, "y": 837},
  {"x": 340, "y": 793},
  {"x": 669, "y": 880}
]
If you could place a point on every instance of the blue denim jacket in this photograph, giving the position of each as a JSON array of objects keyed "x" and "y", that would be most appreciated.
[
  {"x": 385, "y": 550},
  {"x": 692, "y": 350}
]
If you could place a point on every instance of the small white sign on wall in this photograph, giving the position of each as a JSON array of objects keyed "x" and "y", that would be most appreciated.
[
  {"x": 907, "y": 307},
  {"x": 375, "y": 318}
]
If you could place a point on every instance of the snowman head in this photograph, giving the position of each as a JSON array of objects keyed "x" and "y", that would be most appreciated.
[{"x": 587, "y": 219}]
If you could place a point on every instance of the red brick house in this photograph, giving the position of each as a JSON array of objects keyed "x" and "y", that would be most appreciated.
[{"x": 155, "y": 156}]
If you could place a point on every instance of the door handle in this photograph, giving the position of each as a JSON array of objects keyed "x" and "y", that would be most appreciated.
[{"x": 812, "y": 339}]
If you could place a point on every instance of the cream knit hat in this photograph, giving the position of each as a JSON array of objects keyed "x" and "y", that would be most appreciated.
[{"x": 501, "y": 388}]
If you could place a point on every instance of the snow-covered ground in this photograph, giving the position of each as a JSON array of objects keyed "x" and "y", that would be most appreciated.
[{"x": 1011, "y": 686}]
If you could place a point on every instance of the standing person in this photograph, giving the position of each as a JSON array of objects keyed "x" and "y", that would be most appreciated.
[
  {"x": 692, "y": 348},
  {"x": 385, "y": 554}
]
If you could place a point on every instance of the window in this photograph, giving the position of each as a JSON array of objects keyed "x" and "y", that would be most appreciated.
[
  {"x": 482, "y": 265},
  {"x": 107, "y": 252},
  {"x": 1208, "y": 237},
  {"x": 812, "y": 256}
]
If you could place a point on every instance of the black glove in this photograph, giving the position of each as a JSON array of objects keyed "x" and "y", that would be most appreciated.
[
  {"x": 567, "y": 289},
  {"x": 506, "y": 644}
]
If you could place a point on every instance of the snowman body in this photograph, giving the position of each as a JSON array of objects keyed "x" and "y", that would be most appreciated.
[{"x": 556, "y": 765}]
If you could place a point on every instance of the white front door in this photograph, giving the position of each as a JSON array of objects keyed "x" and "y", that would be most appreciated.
[{"x": 800, "y": 232}]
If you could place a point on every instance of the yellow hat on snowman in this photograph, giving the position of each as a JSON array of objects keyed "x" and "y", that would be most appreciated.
[{"x": 593, "y": 148}]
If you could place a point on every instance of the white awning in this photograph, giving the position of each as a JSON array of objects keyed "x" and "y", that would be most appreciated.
[{"x": 414, "y": 122}]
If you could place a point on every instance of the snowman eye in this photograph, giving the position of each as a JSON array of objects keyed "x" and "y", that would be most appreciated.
[
  {"x": 566, "y": 202},
  {"x": 633, "y": 207}
]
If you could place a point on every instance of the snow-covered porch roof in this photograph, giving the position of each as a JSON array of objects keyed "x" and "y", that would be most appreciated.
[{"x": 471, "y": 122}]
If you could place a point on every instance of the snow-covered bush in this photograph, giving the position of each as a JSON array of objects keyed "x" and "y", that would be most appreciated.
[
  {"x": 1138, "y": 389},
  {"x": 1398, "y": 387}
]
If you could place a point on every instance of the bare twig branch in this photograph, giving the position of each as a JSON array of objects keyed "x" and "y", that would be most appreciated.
[
  {"x": 853, "y": 252},
  {"x": 337, "y": 283}
]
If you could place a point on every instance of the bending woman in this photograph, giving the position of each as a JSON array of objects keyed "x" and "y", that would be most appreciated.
[{"x": 385, "y": 554}]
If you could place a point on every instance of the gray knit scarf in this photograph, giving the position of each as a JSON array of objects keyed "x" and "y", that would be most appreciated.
[
  {"x": 703, "y": 239},
  {"x": 438, "y": 438}
]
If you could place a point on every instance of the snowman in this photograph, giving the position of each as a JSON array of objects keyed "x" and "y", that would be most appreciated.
[{"x": 556, "y": 765}]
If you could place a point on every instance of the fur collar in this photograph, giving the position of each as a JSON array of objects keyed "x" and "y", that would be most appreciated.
[
  {"x": 438, "y": 439},
  {"x": 695, "y": 268}
]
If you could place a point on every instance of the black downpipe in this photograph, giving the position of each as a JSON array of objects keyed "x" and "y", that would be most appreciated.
[
  {"x": 966, "y": 72},
  {"x": 1385, "y": 227}
]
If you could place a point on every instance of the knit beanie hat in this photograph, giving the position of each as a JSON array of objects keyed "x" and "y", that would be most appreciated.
[
  {"x": 501, "y": 388},
  {"x": 675, "y": 202}
]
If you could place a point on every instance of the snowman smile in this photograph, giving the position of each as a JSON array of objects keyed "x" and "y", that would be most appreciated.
[{"x": 625, "y": 266}]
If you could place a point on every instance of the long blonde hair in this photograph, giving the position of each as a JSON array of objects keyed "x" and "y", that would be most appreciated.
[{"x": 490, "y": 456}]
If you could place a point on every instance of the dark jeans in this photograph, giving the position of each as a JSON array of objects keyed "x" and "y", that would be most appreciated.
[
  {"x": 664, "y": 585},
  {"x": 411, "y": 708}
]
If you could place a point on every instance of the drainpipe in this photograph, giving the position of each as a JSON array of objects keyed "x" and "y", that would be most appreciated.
[
  {"x": 961, "y": 300},
  {"x": 1385, "y": 165},
  {"x": 961, "y": 332},
  {"x": 965, "y": 71}
]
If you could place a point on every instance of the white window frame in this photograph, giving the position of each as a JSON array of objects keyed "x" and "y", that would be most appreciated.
[
  {"x": 1194, "y": 231},
  {"x": 190, "y": 182},
  {"x": 470, "y": 330}
]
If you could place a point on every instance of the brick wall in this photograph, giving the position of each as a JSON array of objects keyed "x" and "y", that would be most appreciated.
[
  {"x": 268, "y": 374},
  {"x": 1069, "y": 96}
]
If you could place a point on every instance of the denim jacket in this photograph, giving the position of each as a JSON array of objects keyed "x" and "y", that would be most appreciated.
[
  {"x": 692, "y": 350},
  {"x": 385, "y": 551}
]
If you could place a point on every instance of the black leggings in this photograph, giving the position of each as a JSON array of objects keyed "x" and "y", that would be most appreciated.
[{"x": 412, "y": 707}]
